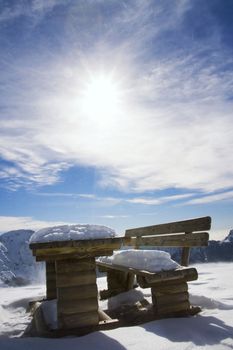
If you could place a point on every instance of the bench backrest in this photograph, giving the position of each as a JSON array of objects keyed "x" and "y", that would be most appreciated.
[{"x": 186, "y": 234}]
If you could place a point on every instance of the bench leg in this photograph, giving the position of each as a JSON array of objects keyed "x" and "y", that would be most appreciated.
[
  {"x": 118, "y": 282},
  {"x": 170, "y": 298}
]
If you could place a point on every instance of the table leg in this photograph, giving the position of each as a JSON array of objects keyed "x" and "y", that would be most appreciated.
[
  {"x": 77, "y": 304},
  {"x": 51, "y": 291}
]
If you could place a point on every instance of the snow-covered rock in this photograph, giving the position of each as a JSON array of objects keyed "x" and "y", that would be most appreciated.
[
  {"x": 72, "y": 232},
  {"x": 17, "y": 265}
]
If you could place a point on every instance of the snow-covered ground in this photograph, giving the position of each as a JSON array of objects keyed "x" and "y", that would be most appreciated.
[{"x": 213, "y": 328}]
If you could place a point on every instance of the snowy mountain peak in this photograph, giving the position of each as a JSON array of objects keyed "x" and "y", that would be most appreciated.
[
  {"x": 229, "y": 238},
  {"x": 17, "y": 265}
]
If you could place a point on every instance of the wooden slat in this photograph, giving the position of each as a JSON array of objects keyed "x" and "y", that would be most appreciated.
[
  {"x": 198, "y": 224},
  {"x": 80, "y": 244},
  {"x": 77, "y": 292},
  {"x": 177, "y": 287},
  {"x": 185, "y": 256},
  {"x": 71, "y": 279},
  {"x": 180, "y": 275},
  {"x": 107, "y": 266},
  {"x": 74, "y": 250},
  {"x": 69, "y": 276},
  {"x": 84, "y": 319},
  {"x": 69, "y": 307},
  {"x": 198, "y": 239},
  {"x": 175, "y": 307},
  {"x": 189, "y": 274},
  {"x": 169, "y": 299},
  {"x": 77, "y": 265},
  {"x": 84, "y": 255}
]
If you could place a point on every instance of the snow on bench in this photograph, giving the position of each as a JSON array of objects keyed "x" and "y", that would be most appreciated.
[{"x": 149, "y": 260}]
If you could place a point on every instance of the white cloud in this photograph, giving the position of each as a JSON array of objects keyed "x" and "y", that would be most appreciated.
[
  {"x": 174, "y": 127},
  {"x": 62, "y": 194},
  {"x": 147, "y": 201},
  {"x": 8, "y": 223},
  {"x": 159, "y": 200},
  {"x": 212, "y": 198},
  {"x": 105, "y": 200},
  {"x": 114, "y": 216}
]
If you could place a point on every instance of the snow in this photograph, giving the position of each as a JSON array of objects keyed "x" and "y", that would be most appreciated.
[
  {"x": 14, "y": 302},
  {"x": 49, "y": 309},
  {"x": 211, "y": 329},
  {"x": 150, "y": 260},
  {"x": 72, "y": 232}
]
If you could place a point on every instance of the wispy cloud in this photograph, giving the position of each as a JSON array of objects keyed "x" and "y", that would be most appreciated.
[
  {"x": 212, "y": 198},
  {"x": 147, "y": 201},
  {"x": 64, "y": 194},
  {"x": 114, "y": 216},
  {"x": 159, "y": 200},
  {"x": 116, "y": 200},
  {"x": 174, "y": 128},
  {"x": 33, "y": 8}
]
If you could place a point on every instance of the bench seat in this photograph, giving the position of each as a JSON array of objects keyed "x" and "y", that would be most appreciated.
[{"x": 169, "y": 289}]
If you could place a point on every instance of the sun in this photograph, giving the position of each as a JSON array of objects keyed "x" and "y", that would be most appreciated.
[{"x": 101, "y": 98}]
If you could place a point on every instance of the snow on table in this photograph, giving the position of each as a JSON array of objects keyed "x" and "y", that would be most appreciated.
[
  {"x": 149, "y": 260},
  {"x": 72, "y": 232}
]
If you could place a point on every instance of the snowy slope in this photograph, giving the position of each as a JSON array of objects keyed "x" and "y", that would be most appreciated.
[{"x": 17, "y": 265}]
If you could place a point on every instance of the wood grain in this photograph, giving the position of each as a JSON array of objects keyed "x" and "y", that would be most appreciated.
[
  {"x": 51, "y": 287},
  {"x": 198, "y": 224},
  {"x": 198, "y": 239}
]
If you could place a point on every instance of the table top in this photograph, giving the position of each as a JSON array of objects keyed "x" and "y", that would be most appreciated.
[{"x": 56, "y": 250}]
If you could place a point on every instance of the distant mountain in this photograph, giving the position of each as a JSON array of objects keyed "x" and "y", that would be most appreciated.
[
  {"x": 216, "y": 251},
  {"x": 17, "y": 265},
  {"x": 229, "y": 238}
]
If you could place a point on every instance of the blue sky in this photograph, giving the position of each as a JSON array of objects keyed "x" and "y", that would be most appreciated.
[{"x": 116, "y": 112}]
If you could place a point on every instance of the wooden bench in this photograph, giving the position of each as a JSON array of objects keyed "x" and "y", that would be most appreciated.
[{"x": 169, "y": 289}]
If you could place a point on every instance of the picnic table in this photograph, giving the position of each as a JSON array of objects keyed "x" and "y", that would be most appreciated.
[
  {"x": 71, "y": 270},
  {"x": 71, "y": 277}
]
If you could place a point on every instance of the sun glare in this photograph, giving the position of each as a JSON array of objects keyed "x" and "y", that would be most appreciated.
[{"x": 101, "y": 98}]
